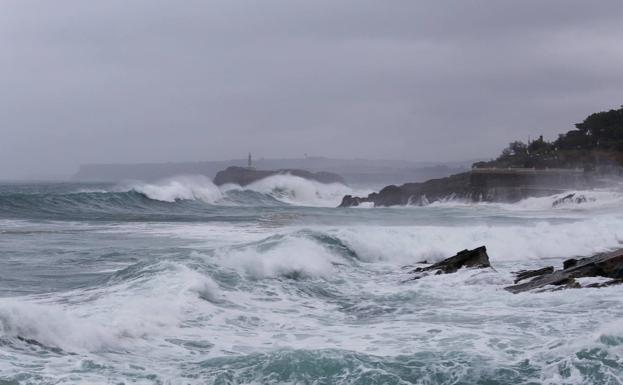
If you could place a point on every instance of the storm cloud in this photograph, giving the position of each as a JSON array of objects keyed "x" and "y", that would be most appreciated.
[{"x": 140, "y": 81}]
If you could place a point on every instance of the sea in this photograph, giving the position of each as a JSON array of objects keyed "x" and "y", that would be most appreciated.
[{"x": 183, "y": 282}]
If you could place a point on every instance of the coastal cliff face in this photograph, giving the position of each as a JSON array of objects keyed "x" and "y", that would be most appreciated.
[
  {"x": 244, "y": 176},
  {"x": 487, "y": 185},
  {"x": 415, "y": 193},
  {"x": 538, "y": 168}
]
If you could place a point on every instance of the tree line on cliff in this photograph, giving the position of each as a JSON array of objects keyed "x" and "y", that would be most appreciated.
[{"x": 597, "y": 142}]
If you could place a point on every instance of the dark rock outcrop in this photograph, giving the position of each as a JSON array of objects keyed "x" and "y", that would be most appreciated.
[
  {"x": 243, "y": 175},
  {"x": 489, "y": 185},
  {"x": 455, "y": 186},
  {"x": 571, "y": 198},
  {"x": 476, "y": 258},
  {"x": 569, "y": 263},
  {"x": 608, "y": 265},
  {"x": 351, "y": 201},
  {"x": 524, "y": 274}
]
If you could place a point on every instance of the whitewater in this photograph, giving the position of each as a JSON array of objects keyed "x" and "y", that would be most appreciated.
[{"x": 183, "y": 282}]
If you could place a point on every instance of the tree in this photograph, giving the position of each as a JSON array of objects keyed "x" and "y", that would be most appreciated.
[
  {"x": 518, "y": 148},
  {"x": 597, "y": 140}
]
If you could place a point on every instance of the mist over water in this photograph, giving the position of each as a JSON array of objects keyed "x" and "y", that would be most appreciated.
[{"x": 184, "y": 282}]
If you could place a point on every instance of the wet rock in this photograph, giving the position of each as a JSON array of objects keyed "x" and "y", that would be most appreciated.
[
  {"x": 571, "y": 198},
  {"x": 565, "y": 199},
  {"x": 455, "y": 186},
  {"x": 569, "y": 263},
  {"x": 608, "y": 265},
  {"x": 569, "y": 283},
  {"x": 476, "y": 258},
  {"x": 351, "y": 201},
  {"x": 488, "y": 185},
  {"x": 525, "y": 274}
]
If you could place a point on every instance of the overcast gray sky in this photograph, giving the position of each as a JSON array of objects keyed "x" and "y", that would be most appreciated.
[{"x": 141, "y": 81}]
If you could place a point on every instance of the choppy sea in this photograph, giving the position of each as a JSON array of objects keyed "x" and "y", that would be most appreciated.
[{"x": 182, "y": 282}]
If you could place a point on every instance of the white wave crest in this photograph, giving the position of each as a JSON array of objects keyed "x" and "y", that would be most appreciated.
[
  {"x": 577, "y": 200},
  {"x": 290, "y": 257},
  {"x": 504, "y": 242},
  {"x": 286, "y": 188},
  {"x": 588, "y": 199},
  {"x": 299, "y": 191},
  {"x": 118, "y": 318},
  {"x": 51, "y": 326},
  {"x": 181, "y": 188}
]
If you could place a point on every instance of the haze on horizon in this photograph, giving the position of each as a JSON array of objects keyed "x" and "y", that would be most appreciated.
[{"x": 153, "y": 81}]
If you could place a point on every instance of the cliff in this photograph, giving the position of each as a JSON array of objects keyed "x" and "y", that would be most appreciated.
[
  {"x": 488, "y": 185},
  {"x": 573, "y": 161},
  {"x": 244, "y": 176}
]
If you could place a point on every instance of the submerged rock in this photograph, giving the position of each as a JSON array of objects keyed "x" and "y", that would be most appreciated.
[
  {"x": 608, "y": 265},
  {"x": 476, "y": 258},
  {"x": 571, "y": 198},
  {"x": 525, "y": 274}
]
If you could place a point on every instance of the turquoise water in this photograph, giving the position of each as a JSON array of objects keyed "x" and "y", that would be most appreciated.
[{"x": 181, "y": 282}]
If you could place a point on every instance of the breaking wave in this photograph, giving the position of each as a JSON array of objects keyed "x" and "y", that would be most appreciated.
[
  {"x": 178, "y": 198},
  {"x": 569, "y": 200},
  {"x": 588, "y": 199},
  {"x": 288, "y": 189},
  {"x": 323, "y": 301},
  {"x": 180, "y": 188}
]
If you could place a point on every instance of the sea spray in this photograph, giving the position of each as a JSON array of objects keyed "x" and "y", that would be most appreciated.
[
  {"x": 181, "y": 188},
  {"x": 120, "y": 287},
  {"x": 284, "y": 188}
]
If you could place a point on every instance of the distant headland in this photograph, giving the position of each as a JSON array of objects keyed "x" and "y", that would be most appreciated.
[
  {"x": 578, "y": 159},
  {"x": 244, "y": 176},
  {"x": 367, "y": 172}
]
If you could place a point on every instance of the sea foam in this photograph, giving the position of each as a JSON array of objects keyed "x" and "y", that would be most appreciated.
[{"x": 285, "y": 188}]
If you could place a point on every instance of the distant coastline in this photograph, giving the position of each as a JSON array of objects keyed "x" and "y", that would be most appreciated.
[
  {"x": 354, "y": 171},
  {"x": 579, "y": 159}
]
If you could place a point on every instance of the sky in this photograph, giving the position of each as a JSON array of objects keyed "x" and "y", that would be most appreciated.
[{"x": 126, "y": 81}]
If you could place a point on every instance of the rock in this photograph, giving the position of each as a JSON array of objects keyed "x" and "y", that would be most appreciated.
[
  {"x": 351, "y": 201},
  {"x": 244, "y": 176},
  {"x": 490, "y": 185},
  {"x": 410, "y": 267},
  {"x": 562, "y": 200},
  {"x": 524, "y": 274},
  {"x": 455, "y": 186},
  {"x": 569, "y": 263},
  {"x": 609, "y": 265},
  {"x": 571, "y": 198},
  {"x": 476, "y": 258},
  {"x": 569, "y": 283}
]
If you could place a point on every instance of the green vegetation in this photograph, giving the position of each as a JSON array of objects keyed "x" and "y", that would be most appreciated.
[{"x": 596, "y": 143}]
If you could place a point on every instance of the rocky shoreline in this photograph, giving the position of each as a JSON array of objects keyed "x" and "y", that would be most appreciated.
[
  {"x": 480, "y": 185},
  {"x": 600, "y": 270}
]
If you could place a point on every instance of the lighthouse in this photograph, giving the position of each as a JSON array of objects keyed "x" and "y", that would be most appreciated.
[{"x": 250, "y": 162}]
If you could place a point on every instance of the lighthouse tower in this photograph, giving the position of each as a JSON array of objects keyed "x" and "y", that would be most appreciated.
[{"x": 250, "y": 162}]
